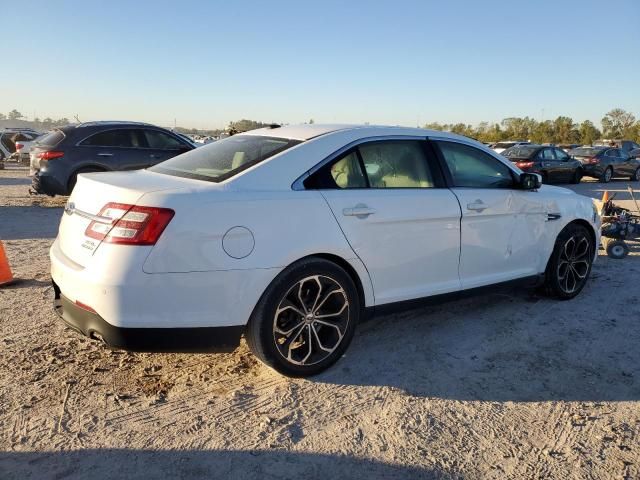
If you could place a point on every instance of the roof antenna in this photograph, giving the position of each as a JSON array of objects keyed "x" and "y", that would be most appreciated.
[{"x": 77, "y": 119}]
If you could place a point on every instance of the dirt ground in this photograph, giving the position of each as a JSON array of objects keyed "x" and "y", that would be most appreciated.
[{"x": 506, "y": 385}]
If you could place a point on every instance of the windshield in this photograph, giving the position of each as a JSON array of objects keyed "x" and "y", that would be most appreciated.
[
  {"x": 585, "y": 152},
  {"x": 223, "y": 159},
  {"x": 520, "y": 151}
]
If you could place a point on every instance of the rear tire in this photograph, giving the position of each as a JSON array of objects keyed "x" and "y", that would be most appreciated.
[
  {"x": 607, "y": 175},
  {"x": 617, "y": 249},
  {"x": 74, "y": 177},
  {"x": 570, "y": 264},
  {"x": 636, "y": 176},
  {"x": 306, "y": 318}
]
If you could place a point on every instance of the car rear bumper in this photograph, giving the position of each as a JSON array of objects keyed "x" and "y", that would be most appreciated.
[
  {"x": 195, "y": 339},
  {"x": 47, "y": 185},
  {"x": 595, "y": 171}
]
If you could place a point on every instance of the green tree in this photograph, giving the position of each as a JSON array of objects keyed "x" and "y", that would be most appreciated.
[
  {"x": 618, "y": 123},
  {"x": 565, "y": 131},
  {"x": 3, "y": 116},
  {"x": 588, "y": 133},
  {"x": 15, "y": 115},
  {"x": 245, "y": 125},
  {"x": 435, "y": 126}
]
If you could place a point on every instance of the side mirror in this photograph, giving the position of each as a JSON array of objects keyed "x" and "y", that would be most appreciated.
[{"x": 530, "y": 181}]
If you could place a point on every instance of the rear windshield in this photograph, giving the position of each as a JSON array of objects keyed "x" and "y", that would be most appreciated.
[
  {"x": 225, "y": 158},
  {"x": 520, "y": 151},
  {"x": 50, "y": 139},
  {"x": 585, "y": 151}
]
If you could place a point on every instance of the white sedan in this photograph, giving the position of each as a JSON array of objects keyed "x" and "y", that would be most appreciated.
[{"x": 291, "y": 235}]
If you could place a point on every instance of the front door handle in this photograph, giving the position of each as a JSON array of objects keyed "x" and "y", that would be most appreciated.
[
  {"x": 105, "y": 154},
  {"x": 360, "y": 211},
  {"x": 477, "y": 206}
]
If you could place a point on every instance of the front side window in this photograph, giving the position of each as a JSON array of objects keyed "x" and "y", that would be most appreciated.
[
  {"x": 162, "y": 141},
  {"x": 122, "y": 138},
  {"x": 474, "y": 168},
  {"x": 225, "y": 158}
]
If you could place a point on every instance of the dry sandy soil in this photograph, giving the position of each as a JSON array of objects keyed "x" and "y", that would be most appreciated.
[{"x": 507, "y": 385}]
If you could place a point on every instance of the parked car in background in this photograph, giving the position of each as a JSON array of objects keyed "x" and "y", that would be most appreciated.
[
  {"x": 629, "y": 146},
  {"x": 605, "y": 163},
  {"x": 568, "y": 146},
  {"x": 188, "y": 139},
  {"x": 190, "y": 254},
  {"x": 23, "y": 148},
  {"x": 552, "y": 163},
  {"x": 502, "y": 146},
  {"x": 58, "y": 157},
  {"x": 10, "y": 136}
]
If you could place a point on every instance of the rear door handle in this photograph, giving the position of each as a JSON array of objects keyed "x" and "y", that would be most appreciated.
[
  {"x": 360, "y": 211},
  {"x": 105, "y": 154},
  {"x": 477, "y": 206}
]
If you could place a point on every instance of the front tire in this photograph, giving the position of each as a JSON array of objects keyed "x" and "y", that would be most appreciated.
[
  {"x": 570, "y": 263},
  {"x": 636, "y": 176},
  {"x": 306, "y": 318},
  {"x": 577, "y": 176}
]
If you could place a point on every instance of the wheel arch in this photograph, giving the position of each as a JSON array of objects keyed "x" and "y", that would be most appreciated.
[
  {"x": 581, "y": 222},
  {"x": 79, "y": 169}
]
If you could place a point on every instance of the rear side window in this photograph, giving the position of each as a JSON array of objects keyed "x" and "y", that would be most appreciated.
[
  {"x": 225, "y": 158},
  {"x": 347, "y": 173},
  {"x": 474, "y": 168},
  {"x": 123, "y": 138},
  {"x": 381, "y": 164},
  {"x": 51, "y": 139},
  {"x": 162, "y": 141},
  {"x": 396, "y": 164}
]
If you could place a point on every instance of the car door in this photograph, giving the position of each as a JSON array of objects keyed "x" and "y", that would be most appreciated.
[
  {"x": 611, "y": 159},
  {"x": 115, "y": 149},
  {"x": 162, "y": 146},
  {"x": 566, "y": 168},
  {"x": 549, "y": 164},
  {"x": 390, "y": 201},
  {"x": 502, "y": 226},
  {"x": 627, "y": 165}
]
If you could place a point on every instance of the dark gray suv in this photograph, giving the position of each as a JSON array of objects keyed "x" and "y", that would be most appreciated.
[{"x": 58, "y": 157}]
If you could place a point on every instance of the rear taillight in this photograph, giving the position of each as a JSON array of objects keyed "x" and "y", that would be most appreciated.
[
  {"x": 524, "y": 164},
  {"x": 591, "y": 160},
  {"x": 50, "y": 155},
  {"x": 19, "y": 146},
  {"x": 129, "y": 224}
]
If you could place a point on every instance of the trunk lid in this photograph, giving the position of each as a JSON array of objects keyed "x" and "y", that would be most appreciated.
[{"x": 92, "y": 192}]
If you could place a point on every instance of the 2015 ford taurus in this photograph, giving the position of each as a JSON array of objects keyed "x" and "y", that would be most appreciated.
[{"x": 290, "y": 235}]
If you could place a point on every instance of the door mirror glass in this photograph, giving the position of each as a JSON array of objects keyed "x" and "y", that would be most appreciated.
[{"x": 530, "y": 181}]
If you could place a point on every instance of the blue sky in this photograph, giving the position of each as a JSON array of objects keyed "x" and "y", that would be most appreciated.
[{"x": 205, "y": 63}]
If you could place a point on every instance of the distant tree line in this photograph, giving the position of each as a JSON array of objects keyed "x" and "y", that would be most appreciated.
[{"x": 616, "y": 124}]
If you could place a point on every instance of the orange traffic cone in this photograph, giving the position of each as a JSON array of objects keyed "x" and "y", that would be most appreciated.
[
  {"x": 5, "y": 271},
  {"x": 605, "y": 196}
]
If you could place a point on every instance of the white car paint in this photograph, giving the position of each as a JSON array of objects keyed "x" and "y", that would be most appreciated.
[{"x": 419, "y": 242}]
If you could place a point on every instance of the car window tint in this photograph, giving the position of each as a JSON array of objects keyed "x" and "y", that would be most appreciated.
[
  {"x": 162, "y": 141},
  {"x": 471, "y": 167},
  {"x": 546, "y": 154},
  {"x": 396, "y": 164},
  {"x": 346, "y": 172},
  {"x": 612, "y": 152},
  {"x": 561, "y": 155},
  {"x": 125, "y": 138}
]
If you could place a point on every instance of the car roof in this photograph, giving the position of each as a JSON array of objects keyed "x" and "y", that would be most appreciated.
[{"x": 308, "y": 131}]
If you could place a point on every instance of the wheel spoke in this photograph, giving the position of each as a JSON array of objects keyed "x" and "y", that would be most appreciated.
[
  {"x": 582, "y": 248},
  {"x": 310, "y": 321}
]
